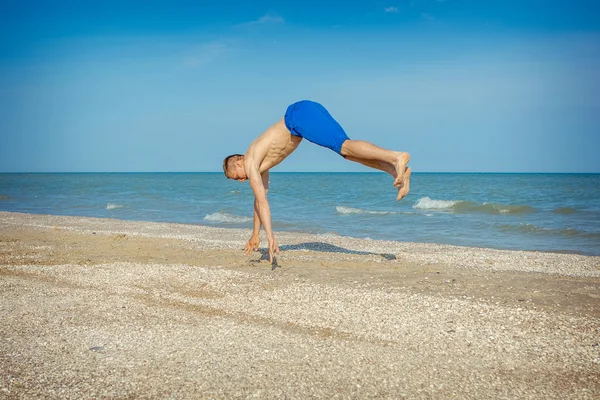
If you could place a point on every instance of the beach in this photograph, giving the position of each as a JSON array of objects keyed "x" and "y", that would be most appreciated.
[{"x": 106, "y": 308}]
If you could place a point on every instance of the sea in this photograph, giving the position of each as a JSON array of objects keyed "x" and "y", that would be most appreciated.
[{"x": 538, "y": 212}]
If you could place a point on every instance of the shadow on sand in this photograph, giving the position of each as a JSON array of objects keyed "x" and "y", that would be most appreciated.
[{"x": 320, "y": 246}]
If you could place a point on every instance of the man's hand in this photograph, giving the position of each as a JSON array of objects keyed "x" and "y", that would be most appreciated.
[
  {"x": 252, "y": 245},
  {"x": 273, "y": 248}
]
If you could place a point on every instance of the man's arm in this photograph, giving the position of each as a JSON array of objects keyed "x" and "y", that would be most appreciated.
[
  {"x": 257, "y": 183},
  {"x": 254, "y": 241},
  {"x": 256, "y": 230},
  {"x": 257, "y": 222}
]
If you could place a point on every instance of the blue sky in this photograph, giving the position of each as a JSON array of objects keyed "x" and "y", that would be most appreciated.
[{"x": 471, "y": 85}]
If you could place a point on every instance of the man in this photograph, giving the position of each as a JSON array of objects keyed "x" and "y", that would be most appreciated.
[{"x": 309, "y": 120}]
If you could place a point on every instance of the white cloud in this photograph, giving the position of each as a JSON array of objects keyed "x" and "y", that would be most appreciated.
[
  {"x": 391, "y": 9},
  {"x": 268, "y": 19}
]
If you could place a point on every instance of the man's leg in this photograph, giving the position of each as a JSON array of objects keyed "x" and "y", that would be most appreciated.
[
  {"x": 380, "y": 165},
  {"x": 392, "y": 162},
  {"x": 316, "y": 125},
  {"x": 404, "y": 187}
]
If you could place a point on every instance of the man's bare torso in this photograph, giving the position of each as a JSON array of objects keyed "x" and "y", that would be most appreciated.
[{"x": 272, "y": 147}]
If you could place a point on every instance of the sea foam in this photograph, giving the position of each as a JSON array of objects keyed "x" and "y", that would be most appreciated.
[
  {"x": 426, "y": 203},
  {"x": 352, "y": 210},
  {"x": 226, "y": 217},
  {"x": 111, "y": 206},
  {"x": 470, "y": 207}
]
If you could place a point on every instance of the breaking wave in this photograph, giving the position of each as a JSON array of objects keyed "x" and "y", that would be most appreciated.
[
  {"x": 426, "y": 203},
  {"x": 466, "y": 207},
  {"x": 226, "y": 217},
  {"x": 111, "y": 206},
  {"x": 352, "y": 210}
]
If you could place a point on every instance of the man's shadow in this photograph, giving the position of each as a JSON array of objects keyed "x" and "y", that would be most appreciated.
[{"x": 319, "y": 246}]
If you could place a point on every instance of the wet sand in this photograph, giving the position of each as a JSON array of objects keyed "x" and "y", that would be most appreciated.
[{"x": 100, "y": 308}]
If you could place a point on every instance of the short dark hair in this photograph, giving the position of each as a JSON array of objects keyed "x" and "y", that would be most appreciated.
[{"x": 228, "y": 162}]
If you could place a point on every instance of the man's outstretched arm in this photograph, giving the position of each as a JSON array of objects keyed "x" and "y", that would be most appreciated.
[
  {"x": 254, "y": 241},
  {"x": 259, "y": 187}
]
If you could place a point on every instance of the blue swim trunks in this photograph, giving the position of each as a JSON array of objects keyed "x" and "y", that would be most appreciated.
[{"x": 313, "y": 122}]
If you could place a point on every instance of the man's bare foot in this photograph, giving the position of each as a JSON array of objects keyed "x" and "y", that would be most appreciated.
[
  {"x": 403, "y": 190},
  {"x": 400, "y": 166}
]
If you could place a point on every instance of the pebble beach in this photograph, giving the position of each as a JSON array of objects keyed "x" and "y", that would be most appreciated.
[{"x": 104, "y": 308}]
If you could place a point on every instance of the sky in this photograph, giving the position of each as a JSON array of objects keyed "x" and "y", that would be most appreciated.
[{"x": 175, "y": 86}]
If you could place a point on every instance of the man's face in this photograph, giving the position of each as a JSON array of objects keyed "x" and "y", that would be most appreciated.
[{"x": 237, "y": 171}]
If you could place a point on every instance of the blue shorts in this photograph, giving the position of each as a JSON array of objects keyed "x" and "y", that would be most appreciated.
[{"x": 313, "y": 122}]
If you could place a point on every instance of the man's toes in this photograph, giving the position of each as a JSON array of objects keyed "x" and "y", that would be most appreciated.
[
  {"x": 402, "y": 191},
  {"x": 399, "y": 180}
]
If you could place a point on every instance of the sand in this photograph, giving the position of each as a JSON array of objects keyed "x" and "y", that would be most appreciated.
[{"x": 100, "y": 308}]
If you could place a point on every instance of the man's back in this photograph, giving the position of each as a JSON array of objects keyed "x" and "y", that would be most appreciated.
[{"x": 272, "y": 147}]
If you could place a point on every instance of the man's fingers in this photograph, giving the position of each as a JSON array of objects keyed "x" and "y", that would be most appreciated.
[{"x": 249, "y": 248}]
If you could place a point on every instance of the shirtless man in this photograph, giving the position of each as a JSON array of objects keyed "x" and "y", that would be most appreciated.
[{"x": 309, "y": 120}]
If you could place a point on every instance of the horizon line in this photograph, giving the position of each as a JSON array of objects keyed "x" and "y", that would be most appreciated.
[{"x": 294, "y": 172}]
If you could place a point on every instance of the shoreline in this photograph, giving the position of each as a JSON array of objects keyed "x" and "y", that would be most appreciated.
[
  {"x": 104, "y": 308},
  {"x": 235, "y": 238},
  {"x": 303, "y": 233}
]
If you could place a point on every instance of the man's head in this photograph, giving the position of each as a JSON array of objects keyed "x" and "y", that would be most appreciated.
[{"x": 233, "y": 167}]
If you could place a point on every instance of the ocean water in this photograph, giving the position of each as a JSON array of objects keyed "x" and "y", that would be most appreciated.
[{"x": 546, "y": 212}]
